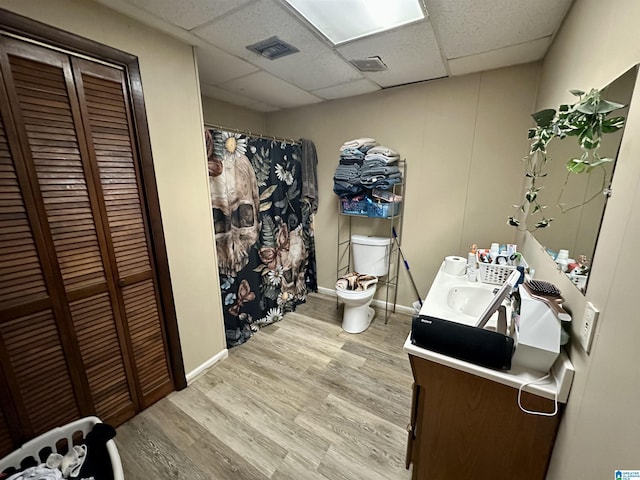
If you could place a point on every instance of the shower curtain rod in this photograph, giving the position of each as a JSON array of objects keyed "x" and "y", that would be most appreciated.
[{"x": 252, "y": 134}]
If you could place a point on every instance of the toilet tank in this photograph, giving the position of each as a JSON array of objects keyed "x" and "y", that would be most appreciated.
[{"x": 370, "y": 254}]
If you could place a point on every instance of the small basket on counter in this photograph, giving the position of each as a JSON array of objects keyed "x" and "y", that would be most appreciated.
[{"x": 495, "y": 273}]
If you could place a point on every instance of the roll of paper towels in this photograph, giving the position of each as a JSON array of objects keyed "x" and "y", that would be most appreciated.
[{"x": 455, "y": 265}]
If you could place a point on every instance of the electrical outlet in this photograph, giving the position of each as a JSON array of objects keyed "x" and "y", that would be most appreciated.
[{"x": 588, "y": 326}]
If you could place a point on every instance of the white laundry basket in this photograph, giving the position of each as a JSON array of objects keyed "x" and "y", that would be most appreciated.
[{"x": 32, "y": 448}]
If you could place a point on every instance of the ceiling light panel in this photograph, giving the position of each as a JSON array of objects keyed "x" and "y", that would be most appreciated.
[{"x": 345, "y": 20}]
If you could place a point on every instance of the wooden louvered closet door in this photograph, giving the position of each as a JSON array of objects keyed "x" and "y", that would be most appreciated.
[{"x": 81, "y": 330}]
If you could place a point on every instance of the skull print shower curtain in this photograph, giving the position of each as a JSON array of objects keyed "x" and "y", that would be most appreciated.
[{"x": 263, "y": 230}]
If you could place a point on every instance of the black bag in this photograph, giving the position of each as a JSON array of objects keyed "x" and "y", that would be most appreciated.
[{"x": 471, "y": 344}]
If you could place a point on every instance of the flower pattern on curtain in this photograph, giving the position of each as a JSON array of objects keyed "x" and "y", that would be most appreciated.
[{"x": 263, "y": 228}]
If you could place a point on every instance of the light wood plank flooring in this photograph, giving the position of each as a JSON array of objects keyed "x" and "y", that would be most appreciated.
[{"x": 301, "y": 400}]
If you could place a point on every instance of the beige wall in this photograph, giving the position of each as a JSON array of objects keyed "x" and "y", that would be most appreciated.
[
  {"x": 463, "y": 139},
  {"x": 175, "y": 123},
  {"x": 598, "y": 42},
  {"x": 224, "y": 114}
]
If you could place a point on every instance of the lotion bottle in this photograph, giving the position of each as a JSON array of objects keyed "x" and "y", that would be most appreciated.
[{"x": 472, "y": 271}]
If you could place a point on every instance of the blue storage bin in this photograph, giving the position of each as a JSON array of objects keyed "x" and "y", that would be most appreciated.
[
  {"x": 349, "y": 206},
  {"x": 383, "y": 209}
]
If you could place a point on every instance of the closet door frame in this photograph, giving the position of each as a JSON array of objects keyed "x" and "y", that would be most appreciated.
[{"x": 34, "y": 30}]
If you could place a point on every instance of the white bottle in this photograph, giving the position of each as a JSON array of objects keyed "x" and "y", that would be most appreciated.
[
  {"x": 494, "y": 252},
  {"x": 471, "y": 267}
]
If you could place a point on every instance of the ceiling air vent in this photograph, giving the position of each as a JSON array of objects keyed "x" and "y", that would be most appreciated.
[
  {"x": 370, "y": 64},
  {"x": 272, "y": 48}
]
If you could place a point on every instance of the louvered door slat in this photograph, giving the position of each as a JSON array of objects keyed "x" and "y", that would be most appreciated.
[
  {"x": 21, "y": 278},
  {"x": 6, "y": 442},
  {"x": 150, "y": 357},
  {"x": 110, "y": 134},
  {"x": 102, "y": 355},
  {"x": 41, "y": 89},
  {"x": 107, "y": 116},
  {"x": 34, "y": 350}
]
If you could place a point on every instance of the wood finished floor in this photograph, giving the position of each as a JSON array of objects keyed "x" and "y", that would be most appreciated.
[{"x": 301, "y": 400}]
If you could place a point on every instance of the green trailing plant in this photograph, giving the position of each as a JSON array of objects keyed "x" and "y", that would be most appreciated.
[
  {"x": 587, "y": 119},
  {"x": 536, "y": 160}
]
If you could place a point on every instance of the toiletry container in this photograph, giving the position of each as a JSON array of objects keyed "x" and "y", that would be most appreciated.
[
  {"x": 370, "y": 257},
  {"x": 493, "y": 253},
  {"x": 472, "y": 271},
  {"x": 562, "y": 260}
]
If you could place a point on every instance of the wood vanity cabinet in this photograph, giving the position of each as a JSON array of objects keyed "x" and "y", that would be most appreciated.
[{"x": 467, "y": 427}]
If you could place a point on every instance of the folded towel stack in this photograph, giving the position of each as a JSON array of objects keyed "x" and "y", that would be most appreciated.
[
  {"x": 363, "y": 144},
  {"x": 346, "y": 180},
  {"x": 378, "y": 168},
  {"x": 347, "y": 173}
]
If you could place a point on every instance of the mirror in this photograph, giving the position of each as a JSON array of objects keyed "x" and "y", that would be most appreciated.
[{"x": 576, "y": 202}]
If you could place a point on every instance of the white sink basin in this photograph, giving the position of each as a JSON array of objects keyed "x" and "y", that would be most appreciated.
[
  {"x": 456, "y": 299},
  {"x": 469, "y": 300}
]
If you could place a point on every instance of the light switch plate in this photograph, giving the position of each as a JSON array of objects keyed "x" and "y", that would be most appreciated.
[{"x": 588, "y": 326}]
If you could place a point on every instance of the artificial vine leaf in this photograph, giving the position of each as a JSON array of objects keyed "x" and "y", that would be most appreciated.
[
  {"x": 589, "y": 108},
  {"x": 612, "y": 124},
  {"x": 605, "y": 106},
  {"x": 599, "y": 161},
  {"x": 544, "y": 223},
  {"x": 576, "y": 165},
  {"x": 589, "y": 140},
  {"x": 543, "y": 118}
]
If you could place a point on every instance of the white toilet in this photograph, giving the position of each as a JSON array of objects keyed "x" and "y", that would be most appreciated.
[{"x": 370, "y": 257}]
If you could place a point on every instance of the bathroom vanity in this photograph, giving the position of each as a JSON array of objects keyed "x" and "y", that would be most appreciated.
[{"x": 465, "y": 418}]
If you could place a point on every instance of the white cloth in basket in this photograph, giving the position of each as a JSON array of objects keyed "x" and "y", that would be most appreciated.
[{"x": 41, "y": 472}]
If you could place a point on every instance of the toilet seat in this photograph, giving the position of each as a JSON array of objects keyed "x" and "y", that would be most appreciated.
[{"x": 355, "y": 294}]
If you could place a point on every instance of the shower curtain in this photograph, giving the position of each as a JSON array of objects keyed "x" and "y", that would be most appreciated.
[{"x": 263, "y": 228}]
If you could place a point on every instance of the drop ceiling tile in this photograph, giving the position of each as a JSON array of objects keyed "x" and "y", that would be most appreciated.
[
  {"x": 346, "y": 90},
  {"x": 315, "y": 66},
  {"x": 411, "y": 53},
  {"x": 225, "y": 95},
  {"x": 216, "y": 66},
  {"x": 188, "y": 13},
  {"x": 263, "y": 107},
  {"x": 502, "y": 57},
  {"x": 266, "y": 88},
  {"x": 466, "y": 27}
]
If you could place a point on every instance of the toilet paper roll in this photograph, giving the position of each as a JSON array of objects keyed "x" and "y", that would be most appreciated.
[{"x": 455, "y": 265}]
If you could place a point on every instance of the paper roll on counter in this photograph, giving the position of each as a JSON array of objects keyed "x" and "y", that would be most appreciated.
[{"x": 455, "y": 265}]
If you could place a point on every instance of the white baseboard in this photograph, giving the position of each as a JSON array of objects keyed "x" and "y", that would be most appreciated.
[
  {"x": 375, "y": 302},
  {"x": 199, "y": 370}
]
